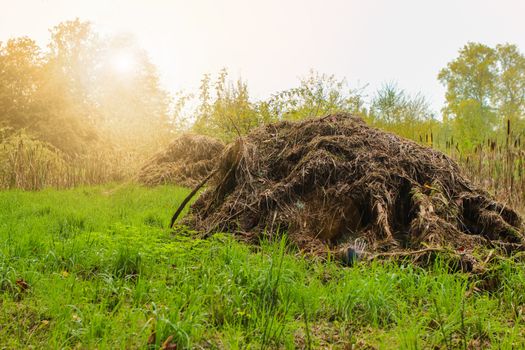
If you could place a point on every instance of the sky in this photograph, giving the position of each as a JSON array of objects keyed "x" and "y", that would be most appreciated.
[{"x": 272, "y": 43}]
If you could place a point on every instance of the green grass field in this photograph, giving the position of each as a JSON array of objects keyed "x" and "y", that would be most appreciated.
[{"x": 95, "y": 267}]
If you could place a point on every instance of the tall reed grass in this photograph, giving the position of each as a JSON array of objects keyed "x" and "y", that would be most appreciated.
[
  {"x": 29, "y": 164},
  {"x": 496, "y": 164}
]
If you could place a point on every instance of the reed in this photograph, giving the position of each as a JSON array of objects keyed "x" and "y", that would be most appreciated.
[
  {"x": 496, "y": 164},
  {"x": 29, "y": 164}
]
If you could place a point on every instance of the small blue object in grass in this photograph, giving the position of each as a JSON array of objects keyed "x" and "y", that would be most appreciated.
[
  {"x": 351, "y": 256},
  {"x": 355, "y": 252}
]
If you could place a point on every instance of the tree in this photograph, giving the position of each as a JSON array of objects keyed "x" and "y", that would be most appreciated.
[
  {"x": 471, "y": 82},
  {"x": 393, "y": 109},
  {"x": 67, "y": 107},
  {"x": 20, "y": 73},
  {"x": 225, "y": 110},
  {"x": 132, "y": 106},
  {"x": 73, "y": 97},
  {"x": 128, "y": 109},
  {"x": 510, "y": 89},
  {"x": 485, "y": 88},
  {"x": 73, "y": 58}
]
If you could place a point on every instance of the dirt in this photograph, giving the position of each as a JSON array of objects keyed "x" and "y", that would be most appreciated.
[
  {"x": 340, "y": 187},
  {"x": 185, "y": 162}
]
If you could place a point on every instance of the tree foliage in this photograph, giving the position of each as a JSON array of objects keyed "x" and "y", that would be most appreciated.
[
  {"x": 485, "y": 86},
  {"x": 70, "y": 96},
  {"x": 224, "y": 108},
  {"x": 317, "y": 94},
  {"x": 20, "y": 68}
]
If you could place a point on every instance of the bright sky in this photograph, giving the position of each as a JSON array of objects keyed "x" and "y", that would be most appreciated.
[{"x": 271, "y": 43}]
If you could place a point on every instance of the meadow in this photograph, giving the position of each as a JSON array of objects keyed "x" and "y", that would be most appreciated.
[
  {"x": 96, "y": 267},
  {"x": 87, "y": 260}
]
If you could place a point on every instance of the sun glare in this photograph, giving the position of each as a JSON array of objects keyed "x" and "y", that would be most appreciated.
[{"x": 123, "y": 62}]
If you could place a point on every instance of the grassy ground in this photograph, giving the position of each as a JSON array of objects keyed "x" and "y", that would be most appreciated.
[{"x": 95, "y": 268}]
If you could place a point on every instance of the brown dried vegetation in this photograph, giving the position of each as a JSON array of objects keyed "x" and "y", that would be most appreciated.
[
  {"x": 185, "y": 162},
  {"x": 331, "y": 181}
]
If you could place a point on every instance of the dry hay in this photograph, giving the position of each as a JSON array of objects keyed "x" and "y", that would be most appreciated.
[
  {"x": 185, "y": 162},
  {"x": 333, "y": 182}
]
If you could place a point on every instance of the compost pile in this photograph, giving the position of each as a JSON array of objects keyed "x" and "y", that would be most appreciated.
[
  {"x": 333, "y": 181},
  {"x": 185, "y": 162}
]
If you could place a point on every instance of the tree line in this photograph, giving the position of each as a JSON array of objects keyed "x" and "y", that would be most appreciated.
[
  {"x": 68, "y": 96},
  {"x": 485, "y": 94}
]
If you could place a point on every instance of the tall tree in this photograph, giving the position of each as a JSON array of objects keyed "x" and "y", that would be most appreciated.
[
  {"x": 224, "y": 109},
  {"x": 485, "y": 88},
  {"x": 65, "y": 102},
  {"x": 510, "y": 90},
  {"x": 75, "y": 96},
  {"x": 133, "y": 107},
  {"x": 20, "y": 75},
  {"x": 471, "y": 82}
]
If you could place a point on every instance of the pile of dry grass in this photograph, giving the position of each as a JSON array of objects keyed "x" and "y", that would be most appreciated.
[
  {"x": 333, "y": 181},
  {"x": 185, "y": 162}
]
